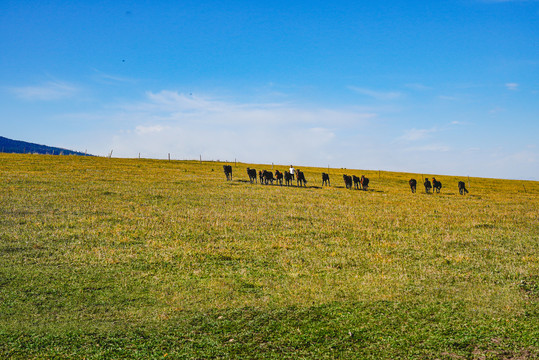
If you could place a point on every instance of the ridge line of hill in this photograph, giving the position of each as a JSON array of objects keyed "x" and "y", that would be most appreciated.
[{"x": 23, "y": 147}]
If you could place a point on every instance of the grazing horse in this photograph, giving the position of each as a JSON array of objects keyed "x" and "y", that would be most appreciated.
[
  {"x": 413, "y": 185},
  {"x": 364, "y": 182},
  {"x": 462, "y": 188},
  {"x": 279, "y": 177},
  {"x": 300, "y": 178},
  {"x": 252, "y": 175},
  {"x": 228, "y": 172},
  {"x": 427, "y": 185},
  {"x": 347, "y": 181},
  {"x": 436, "y": 185},
  {"x": 357, "y": 181},
  {"x": 287, "y": 178},
  {"x": 325, "y": 179}
]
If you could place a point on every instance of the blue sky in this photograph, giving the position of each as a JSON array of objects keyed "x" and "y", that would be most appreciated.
[{"x": 437, "y": 87}]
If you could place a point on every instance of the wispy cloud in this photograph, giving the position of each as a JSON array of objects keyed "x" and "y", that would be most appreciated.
[
  {"x": 418, "y": 87},
  {"x": 416, "y": 134},
  {"x": 429, "y": 148},
  {"x": 53, "y": 90},
  {"x": 217, "y": 128},
  {"x": 496, "y": 110},
  {"x": 378, "y": 95},
  {"x": 188, "y": 126},
  {"x": 106, "y": 78},
  {"x": 511, "y": 86},
  {"x": 152, "y": 129}
]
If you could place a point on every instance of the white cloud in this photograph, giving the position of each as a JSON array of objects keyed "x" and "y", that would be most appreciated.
[
  {"x": 511, "y": 86},
  {"x": 429, "y": 148},
  {"x": 53, "y": 90},
  {"x": 188, "y": 126},
  {"x": 378, "y": 95},
  {"x": 416, "y": 134},
  {"x": 105, "y": 78},
  {"x": 142, "y": 130},
  {"x": 418, "y": 87},
  {"x": 524, "y": 157},
  {"x": 496, "y": 110},
  {"x": 523, "y": 163}
]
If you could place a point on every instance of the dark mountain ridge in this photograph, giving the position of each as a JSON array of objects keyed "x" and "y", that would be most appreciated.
[{"x": 23, "y": 147}]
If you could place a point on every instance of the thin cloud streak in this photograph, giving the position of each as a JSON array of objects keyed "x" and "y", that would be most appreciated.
[
  {"x": 512, "y": 86},
  {"x": 418, "y": 87},
  {"x": 378, "y": 95},
  {"x": 105, "y": 78},
  {"x": 50, "y": 91},
  {"x": 416, "y": 134}
]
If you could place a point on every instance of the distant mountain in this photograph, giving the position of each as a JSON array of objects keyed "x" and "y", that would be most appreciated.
[{"x": 23, "y": 147}]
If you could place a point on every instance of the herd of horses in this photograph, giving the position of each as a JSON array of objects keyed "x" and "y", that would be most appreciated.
[
  {"x": 435, "y": 186},
  {"x": 266, "y": 177},
  {"x": 360, "y": 183}
]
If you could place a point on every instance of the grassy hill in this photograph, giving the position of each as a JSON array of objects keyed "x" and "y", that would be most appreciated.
[
  {"x": 129, "y": 258},
  {"x": 23, "y": 147}
]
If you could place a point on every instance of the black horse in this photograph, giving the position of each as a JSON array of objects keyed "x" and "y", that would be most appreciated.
[
  {"x": 357, "y": 182},
  {"x": 228, "y": 172},
  {"x": 325, "y": 179},
  {"x": 462, "y": 188},
  {"x": 364, "y": 182},
  {"x": 279, "y": 177},
  {"x": 413, "y": 185},
  {"x": 268, "y": 177},
  {"x": 436, "y": 185},
  {"x": 427, "y": 185},
  {"x": 347, "y": 181},
  {"x": 252, "y": 175},
  {"x": 300, "y": 178},
  {"x": 287, "y": 178}
]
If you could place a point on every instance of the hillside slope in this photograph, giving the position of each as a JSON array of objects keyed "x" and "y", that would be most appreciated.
[
  {"x": 135, "y": 258},
  {"x": 23, "y": 147}
]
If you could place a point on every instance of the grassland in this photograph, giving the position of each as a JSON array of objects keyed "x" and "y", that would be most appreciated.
[{"x": 131, "y": 258}]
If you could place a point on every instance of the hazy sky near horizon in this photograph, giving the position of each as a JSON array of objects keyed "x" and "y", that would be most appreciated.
[{"x": 435, "y": 87}]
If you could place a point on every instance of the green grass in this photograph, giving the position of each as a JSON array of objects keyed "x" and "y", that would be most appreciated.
[{"x": 130, "y": 258}]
